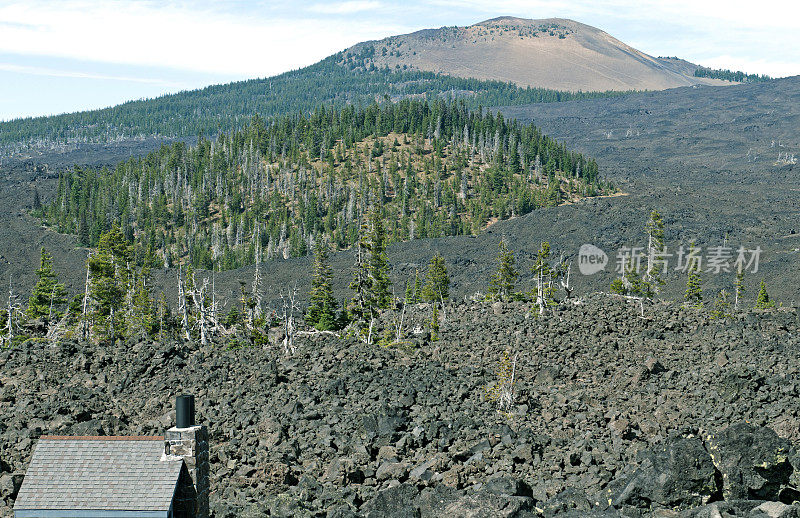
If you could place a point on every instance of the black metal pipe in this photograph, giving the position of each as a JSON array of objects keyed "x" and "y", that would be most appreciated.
[{"x": 184, "y": 411}]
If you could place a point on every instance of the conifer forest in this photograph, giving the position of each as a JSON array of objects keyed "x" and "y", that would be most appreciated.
[{"x": 274, "y": 188}]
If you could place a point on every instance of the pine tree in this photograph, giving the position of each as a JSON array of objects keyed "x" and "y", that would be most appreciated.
[
  {"x": 109, "y": 269},
  {"x": 543, "y": 277},
  {"x": 694, "y": 287},
  {"x": 504, "y": 279},
  {"x": 635, "y": 285},
  {"x": 362, "y": 305},
  {"x": 739, "y": 286},
  {"x": 655, "y": 249},
  {"x": 48, "y": 296},
  {"x": 141, "y": 320},
  {"x": 618, "y": 286},
  {"x": 417, "y": 287},
  {"x": 378, "y": 262},
  {"x": 437, "y": 286},
  {"x": 762, "y": 299},
  {"x": 721, "y": 305},
  {"x": 630, "y": 283},
  {"x": 553, "y": 193},
  {"x": 37, "y": 202},
  {"x": 321, "y": 312},
  {"x": 409, "y": 293},
  {"x": 83, "y": 230},
  {"x": 435, "y": 323}
]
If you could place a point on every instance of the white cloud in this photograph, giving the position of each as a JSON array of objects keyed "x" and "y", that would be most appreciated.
[
  {"x": 53, "y": 72},
  {"x": 764, "y": 35},
  {"x": 175, "y": 35},
  {"x": 350, "y": 7},
  {"x": 249, "y": 39},
  {"x": 767, "y": 13}
]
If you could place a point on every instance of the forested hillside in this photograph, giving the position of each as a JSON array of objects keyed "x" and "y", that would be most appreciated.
[
  {"x": 731, "y": 75},
  {"x": 273, "y": 189},
  {"x": 336, "y": 80}
]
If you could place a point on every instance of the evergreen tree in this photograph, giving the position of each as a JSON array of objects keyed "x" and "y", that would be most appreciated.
[
  {"x": 739, "y": 287},
  {"x": 109, "y": 269},
  {"x": 437, "y": 286},
  {"x": 544, "y": 276},
  {"x": 48, "y": 296},
  {"x": 618, "y": 286},
  {"x": 636, "y": 286},
  {"x": 234, "y": 317},
  {"x": 435, "y": 323},
  {"x": 362, "y": 306},
  {"x": 378, "y": 262},
  {"x": 762, "y": 299},
  {"x": 553, "y": 193},
  {"x": 417, "y": 287},
  {"x": 37, "y": 202},
  {"x": 694, "y": 286},
  {"x": 504, "y": 279},
  {"x": 630, "y": 283},
  {"x": 409, "y": 293},
  {"x": 721, "y": 305},
  {"x": 322, "y": 305},
  {"x": 655, "y": 250},
  {"x": 141, "y": 319}
]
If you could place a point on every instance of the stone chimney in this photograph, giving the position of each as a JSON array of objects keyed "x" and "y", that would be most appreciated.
[{"x": 190, "y": 442}]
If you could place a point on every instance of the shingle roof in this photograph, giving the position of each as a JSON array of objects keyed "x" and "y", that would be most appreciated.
[{"x": 99, "y": 473}]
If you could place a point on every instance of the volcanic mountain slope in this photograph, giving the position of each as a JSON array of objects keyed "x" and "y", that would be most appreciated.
[
  {"x": 492, "y": 63},
  {"x": 549, "y": 53}
]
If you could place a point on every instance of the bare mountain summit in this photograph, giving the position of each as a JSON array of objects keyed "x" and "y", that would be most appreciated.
[{"x": 550, "y": 53}]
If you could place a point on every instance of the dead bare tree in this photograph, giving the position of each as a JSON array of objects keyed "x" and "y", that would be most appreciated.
[
  {"x": 58, "y": 329},
  {"x": 84, "y": 319},
  {"x": 503, "y": 391},
  {"x": 12, "y": 307},
  {"x": 540, "y": 290},
  {"x": 505, "y": 401},
  {"x": 369, "y": 333},
  {"x": 206, "y": 324},
  {"x": 400, "y": 324},
  {"x": 214, "y": 297},
  {"x": 289, "y": 305},
  {"x": 566, "y": 268},
  {"x": 257, "y": 310},
  {"x": 161, "y": 318},
  {"x": 182, "y": 306}
]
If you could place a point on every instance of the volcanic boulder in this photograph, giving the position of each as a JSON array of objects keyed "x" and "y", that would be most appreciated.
[
  {"x": 679, "y": 474},
  {"x": 754, "y": 461}
]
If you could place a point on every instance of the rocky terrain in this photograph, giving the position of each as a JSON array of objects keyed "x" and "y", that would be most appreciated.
[
  {"x": 614, "y": 414},
  {"x": 552, "y": 53}
]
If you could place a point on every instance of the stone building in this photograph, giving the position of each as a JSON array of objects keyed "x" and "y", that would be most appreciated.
[{"x": 108, "y": 477}]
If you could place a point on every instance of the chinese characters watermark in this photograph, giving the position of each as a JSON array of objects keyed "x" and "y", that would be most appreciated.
[{"x": 714, "y": 259}]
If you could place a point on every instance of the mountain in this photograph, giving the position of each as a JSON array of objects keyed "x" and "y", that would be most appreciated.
[
  {"x": 551, "y": 53},
  {"x": 499, "y": 62},
  {"x": 224, "y": 108}
]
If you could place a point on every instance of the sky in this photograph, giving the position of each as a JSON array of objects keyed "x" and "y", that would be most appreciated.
[{"x": 61, "y": 56}]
